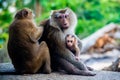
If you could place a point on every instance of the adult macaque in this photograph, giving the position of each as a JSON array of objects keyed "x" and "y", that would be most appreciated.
[
  {"x": 72, "y": 45},
  {"x": 27, "y": 55},
  {"x": 61, "y": 23}
]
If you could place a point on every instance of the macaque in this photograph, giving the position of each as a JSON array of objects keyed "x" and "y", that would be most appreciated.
[
  {"x": 104, "y": 40},
  {"x": 103, "y": 43},
  {"x": 72, "y": 45},
  {"x": 27, "y": 55},
  {"x": 61, "y": 23}
]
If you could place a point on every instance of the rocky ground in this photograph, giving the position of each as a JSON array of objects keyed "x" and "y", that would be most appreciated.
[
  {"x": 101, "y": 75},
  {"x": 100, "y": 60}
]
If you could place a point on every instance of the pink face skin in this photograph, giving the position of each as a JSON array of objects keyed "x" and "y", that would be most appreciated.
[
  {"x": 63, "y": 20},
  {"x": 70, "y": 41}
]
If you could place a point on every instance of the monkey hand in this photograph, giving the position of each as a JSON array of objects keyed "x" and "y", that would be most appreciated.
[
  {"x": 77, "y": 58},
  {"x": 75, "y": 42}
]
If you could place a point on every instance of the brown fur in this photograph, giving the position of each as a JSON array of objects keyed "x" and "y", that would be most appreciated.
[
  {"x": 54, "y": 35},
  {"x": 27, "y": 55},
  {"x": 102, "y": 42},
  {"x": 72, "y": 45}
]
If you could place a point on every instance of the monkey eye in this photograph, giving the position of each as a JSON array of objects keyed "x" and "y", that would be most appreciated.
[
  {"x": 60, "y": 17},
  {"x": 72, "y": 36},
  {"x": 66, "y": 16},
  {"x": 69, "y": 41}
]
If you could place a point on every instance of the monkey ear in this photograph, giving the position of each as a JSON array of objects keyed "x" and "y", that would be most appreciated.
[
  {"x": 22, "y": 14},
  {"x": 25, "y": 13},
  {"x": 68, "y": 10},
  {"x": 53, "y": 12}
]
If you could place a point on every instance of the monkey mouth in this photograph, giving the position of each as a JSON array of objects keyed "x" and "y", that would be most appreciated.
[{"x": 65, "y": 26}]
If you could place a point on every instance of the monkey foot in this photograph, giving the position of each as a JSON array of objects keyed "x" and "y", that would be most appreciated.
[{"x": 89, "y": 73}]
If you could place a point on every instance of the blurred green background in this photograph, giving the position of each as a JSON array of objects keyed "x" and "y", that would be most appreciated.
[{"x": 91, "y": 14}]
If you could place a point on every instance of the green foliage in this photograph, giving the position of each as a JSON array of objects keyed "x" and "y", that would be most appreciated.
[
  {"x": 92, "y": 14},
  {"x": 5, "y": 20}
]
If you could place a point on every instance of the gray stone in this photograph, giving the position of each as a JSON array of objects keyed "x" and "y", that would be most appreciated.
[
  {"x": 6, "y": 67},
  {"x": 100, "y": 75}
]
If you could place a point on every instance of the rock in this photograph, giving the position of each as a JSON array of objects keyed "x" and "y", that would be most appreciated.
[
  {"x": 114, "y": 67},
  {"x": 101, "y": 75},
  {"x": 6, "y": 67}
]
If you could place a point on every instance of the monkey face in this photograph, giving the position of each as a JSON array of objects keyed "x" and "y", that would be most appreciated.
[
  {"x": 24, "y": 13},
  {"x": 62, "y": 20},
  {"x": 70, "y": 40},
  {"x": 70, "y": 43}
]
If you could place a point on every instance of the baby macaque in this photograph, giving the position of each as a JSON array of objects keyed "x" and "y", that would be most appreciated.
[{"x": 72, "y": 45}]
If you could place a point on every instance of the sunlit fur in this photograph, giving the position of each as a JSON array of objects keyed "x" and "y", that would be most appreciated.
[{"x": 26, "y": 53}]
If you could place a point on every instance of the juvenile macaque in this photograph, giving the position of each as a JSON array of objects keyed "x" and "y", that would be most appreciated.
[
  {"x": 103, "y": 43},
  {"x": 72, "y": 45},
  {"x": 61, "y": 23},
  {"x": 27, "y": 55}
]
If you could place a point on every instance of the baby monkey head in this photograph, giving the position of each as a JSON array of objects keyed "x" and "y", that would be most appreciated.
[{"x": 70, "y": 40}]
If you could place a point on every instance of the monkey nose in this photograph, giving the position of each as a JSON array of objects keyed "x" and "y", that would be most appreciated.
[{"x": 65, "y": 23}]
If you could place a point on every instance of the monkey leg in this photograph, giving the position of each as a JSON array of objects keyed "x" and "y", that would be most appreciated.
[
  {"x": 71, "y": 59},
  {"x": 89, "y": 68},
  {"x": 83, "y": 66},
  {"x": 40, "y": 59},
  {"x": 71, "y": 69},
  {"x": 45, "y": 57}
]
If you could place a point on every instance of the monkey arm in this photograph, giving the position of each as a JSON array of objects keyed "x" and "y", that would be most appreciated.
[
  {"x": 39, "y": 32},
  {"x": 79, "y": 42},
  {"x": 77, "y": 53},
  {"x": 36, "y": 34},
  {"x": 70, "y": 58}
]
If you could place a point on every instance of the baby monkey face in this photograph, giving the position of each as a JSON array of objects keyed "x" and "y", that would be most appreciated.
[{"x": 70, "y": 40}]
